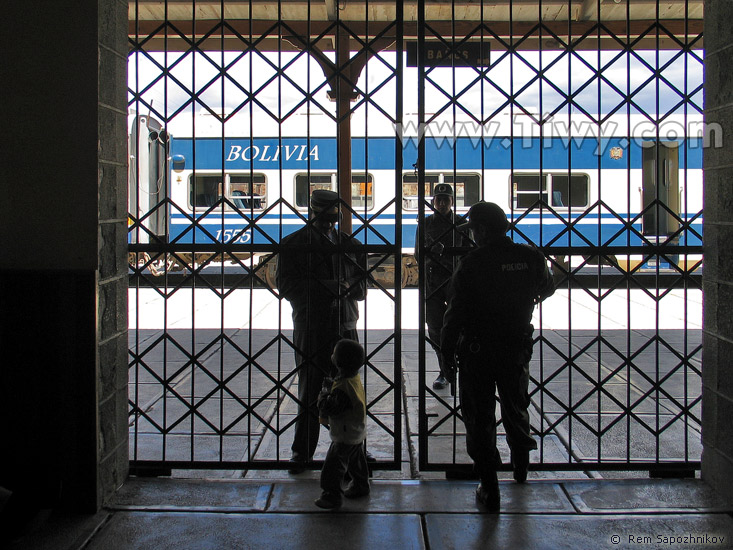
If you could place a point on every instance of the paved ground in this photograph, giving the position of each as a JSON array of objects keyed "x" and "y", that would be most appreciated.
[
  {"x": 614, "y": 379},
  {"x": 168, "y": 514}
]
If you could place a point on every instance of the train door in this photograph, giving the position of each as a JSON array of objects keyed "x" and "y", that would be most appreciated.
[
  {"x": 660, "y": 188},
  {"x": 147, "y": 188}
]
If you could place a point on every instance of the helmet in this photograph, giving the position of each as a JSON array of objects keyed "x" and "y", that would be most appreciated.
[{"x": 489, "y": 215}]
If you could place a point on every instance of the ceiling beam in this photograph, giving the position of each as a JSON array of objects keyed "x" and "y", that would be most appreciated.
[{"x": 446, "y": 29}]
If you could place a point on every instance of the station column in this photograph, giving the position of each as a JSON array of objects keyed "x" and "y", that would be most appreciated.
[{"x": 717, "y": 375}]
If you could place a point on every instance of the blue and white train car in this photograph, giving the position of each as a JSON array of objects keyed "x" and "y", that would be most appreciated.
[{"x": 620, "y": 189}]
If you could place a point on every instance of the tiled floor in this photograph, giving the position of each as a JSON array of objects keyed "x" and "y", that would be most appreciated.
[{"x": 164, "y": 514}]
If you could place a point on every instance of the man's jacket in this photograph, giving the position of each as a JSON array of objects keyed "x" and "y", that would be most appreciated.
[
  {"x": 439, "y": 262},
  {"x": 308, "y": 273}
]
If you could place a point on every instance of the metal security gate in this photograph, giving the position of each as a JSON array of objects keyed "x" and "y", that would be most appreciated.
[
  {"x": 582, "y": 119},
  {"x": 238, "y": 112}
]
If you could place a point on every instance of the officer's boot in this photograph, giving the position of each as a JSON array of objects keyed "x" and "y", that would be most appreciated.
[
  {"x": 520, "y": 464},
  {"x": 487, "y": 492}
]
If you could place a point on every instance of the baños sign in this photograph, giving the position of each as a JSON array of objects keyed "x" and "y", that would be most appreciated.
[{"x": 439, "y": 54}]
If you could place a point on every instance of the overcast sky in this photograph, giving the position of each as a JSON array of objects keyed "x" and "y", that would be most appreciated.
[{"x": 568, "y": 74}]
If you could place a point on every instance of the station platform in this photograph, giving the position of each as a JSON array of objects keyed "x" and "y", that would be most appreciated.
[{"x": 165, "y": 513}]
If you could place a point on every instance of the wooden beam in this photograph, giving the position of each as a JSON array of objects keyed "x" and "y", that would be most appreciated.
[
  {"x": 344, "y": 94},
  {"x": 446, "y": 29}
]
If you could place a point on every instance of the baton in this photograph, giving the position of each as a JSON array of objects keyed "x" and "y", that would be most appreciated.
[{"x": 455, "y": 377}]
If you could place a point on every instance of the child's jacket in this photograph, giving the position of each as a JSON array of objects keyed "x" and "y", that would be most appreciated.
[{"x": 345, "y": 408}]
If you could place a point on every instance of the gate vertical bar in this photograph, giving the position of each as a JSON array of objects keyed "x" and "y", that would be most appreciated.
[
  {"x": 422, "y": 406},
  {"x": 398, "y": 376}
]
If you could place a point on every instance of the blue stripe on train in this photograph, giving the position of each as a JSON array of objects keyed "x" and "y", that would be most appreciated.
[
  {"x": 379, "y": 154},
  {"x": 411, "y": 217},
  {"x": 609, "y": 234}
]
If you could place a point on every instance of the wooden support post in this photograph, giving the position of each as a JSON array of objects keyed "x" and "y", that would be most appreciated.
[
  {"x": 344, "y": 91},
  {"x": 342, "y": 77}
]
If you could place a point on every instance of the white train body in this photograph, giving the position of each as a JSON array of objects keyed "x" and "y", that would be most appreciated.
[{"x": 576, "y": 184}]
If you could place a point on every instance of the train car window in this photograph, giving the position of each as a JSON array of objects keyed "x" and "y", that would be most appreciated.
[
  {"x": 468, "y": 189},
  {"x": 205, "y": 190},
  {"x": 361, "y": 188},
  {"x": 361, "y": 191},
  {"x": 409, "y": 189},
  {"x": 527, "y": 189},
  {"x": 252, "y": 188},
  {"x": 305, "y": 184},
  {"x": 570, "y": 190}
]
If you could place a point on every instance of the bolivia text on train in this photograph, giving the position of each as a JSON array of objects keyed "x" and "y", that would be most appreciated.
[{"x": 271, "y": 154}]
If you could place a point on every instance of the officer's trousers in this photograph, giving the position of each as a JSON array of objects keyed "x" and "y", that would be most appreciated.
[
  {"x": 435, "y": 306},
  {"x": 483, "y": 372},
  {"x": 314, "y": 347}
]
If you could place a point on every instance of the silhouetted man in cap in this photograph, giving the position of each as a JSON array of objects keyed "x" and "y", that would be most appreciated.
[
  {"x": 487, "y": 329},
  {"x": 323, "y": 276}
]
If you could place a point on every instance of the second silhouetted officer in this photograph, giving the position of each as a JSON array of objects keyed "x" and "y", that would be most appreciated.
[
  {"x": 440, "y": 234},
  {"x": 487, "y": 328}
]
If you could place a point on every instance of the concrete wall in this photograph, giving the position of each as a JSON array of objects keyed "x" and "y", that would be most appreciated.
[
  {"x": 63, "y": 392},
  {"x": 112, "y": 159},
  {"x": 717, "y": 405}
]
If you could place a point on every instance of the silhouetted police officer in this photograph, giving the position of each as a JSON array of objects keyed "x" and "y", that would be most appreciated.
[
  {"x": 487, "y": 328},
  {"x": 440, "y": 233}
]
